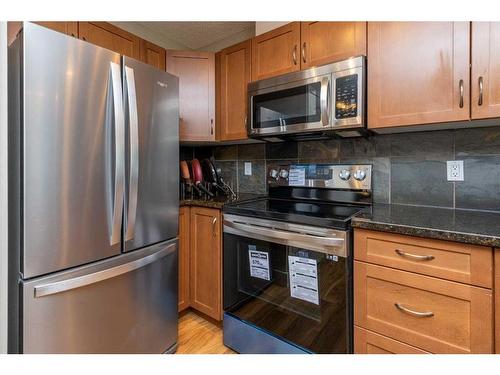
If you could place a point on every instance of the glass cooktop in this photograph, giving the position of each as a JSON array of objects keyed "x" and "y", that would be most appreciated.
[{"x": 305, "y": 212}]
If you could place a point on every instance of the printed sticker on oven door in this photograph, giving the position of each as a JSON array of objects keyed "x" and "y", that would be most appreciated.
[
  {"x": 303, "y": 279},
  {"x": 259, "y": 263}
]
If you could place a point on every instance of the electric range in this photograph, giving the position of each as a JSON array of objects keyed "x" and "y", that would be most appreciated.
[{"x": 288, "y": 260}]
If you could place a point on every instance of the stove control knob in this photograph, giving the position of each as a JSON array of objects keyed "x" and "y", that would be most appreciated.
[
  {"x": 284, "y": 174},
  {"x": 273, "y": 173},
  {"x": 359, "y": 174},
  {"x": 345, "y": 174}
]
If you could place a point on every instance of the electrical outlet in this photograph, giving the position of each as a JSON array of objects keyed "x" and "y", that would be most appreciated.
[
  {"x": 455, "y": 170},
  {"x": 248, "y": 168}
]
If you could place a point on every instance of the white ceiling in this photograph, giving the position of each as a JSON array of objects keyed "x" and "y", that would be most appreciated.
[{"x": 192, "y": 35}]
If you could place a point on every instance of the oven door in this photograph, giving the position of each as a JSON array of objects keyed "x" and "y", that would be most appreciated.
[
  {"x": 294, "y": 286},
  {"x": 290, "y": 108}
]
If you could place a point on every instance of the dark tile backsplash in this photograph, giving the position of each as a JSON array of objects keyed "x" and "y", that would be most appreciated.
[{"x": 408, "y": 168}]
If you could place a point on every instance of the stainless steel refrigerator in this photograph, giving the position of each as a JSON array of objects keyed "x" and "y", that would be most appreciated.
[{"x": 93, "y": 199}]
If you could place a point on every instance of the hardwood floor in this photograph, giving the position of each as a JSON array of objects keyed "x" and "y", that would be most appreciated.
[{"x": 199, "y": 336}]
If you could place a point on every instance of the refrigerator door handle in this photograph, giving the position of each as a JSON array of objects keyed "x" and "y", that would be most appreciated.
[
  {"x": 119, "y": 171},
  {"x": 134, "y": 153},
  {"x": 95, "y": 277}
]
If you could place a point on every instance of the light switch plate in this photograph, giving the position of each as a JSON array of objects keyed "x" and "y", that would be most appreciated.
[
  {"x": 248, "y": 168},
  {"x": 455, "y": 170}
]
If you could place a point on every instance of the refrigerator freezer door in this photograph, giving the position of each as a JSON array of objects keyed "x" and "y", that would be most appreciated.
[
  {"x": 72, "y": 152},
  {"x": 152, "y": 164},
  {"x": 127, "y": 304}
]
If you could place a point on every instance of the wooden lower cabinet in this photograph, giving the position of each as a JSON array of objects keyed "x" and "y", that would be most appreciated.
[
  {"x": 200, "y": 260},
  {"x": 368, "y": 342},
  {"x": 184, "y": 234},
  {"x": 453, "y": 261},
  {"x": 435, "y": 315},
  {"x": 497, "y": 301},
  {"x": 206, "y": 261}
]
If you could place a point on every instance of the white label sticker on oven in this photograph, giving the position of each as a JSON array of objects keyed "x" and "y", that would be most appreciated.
[
  {"x": 259, "y": 263},
  {"x": 303, "y": 279},
  {"x": 297, "y": 177}
]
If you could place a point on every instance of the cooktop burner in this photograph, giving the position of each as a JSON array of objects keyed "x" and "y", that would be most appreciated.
[{"x": 310, "y": 213}]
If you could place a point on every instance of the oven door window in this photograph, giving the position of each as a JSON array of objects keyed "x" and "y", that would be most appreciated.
[
  {"x": 296, "y": 294},
  {"x": 295, "y": 105}
]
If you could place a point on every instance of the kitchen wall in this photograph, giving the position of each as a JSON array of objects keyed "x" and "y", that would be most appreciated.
[{"x": 409, "y": 168}]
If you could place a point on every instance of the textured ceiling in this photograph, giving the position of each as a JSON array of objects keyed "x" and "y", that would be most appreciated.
[{"x": 197, "y": 35}]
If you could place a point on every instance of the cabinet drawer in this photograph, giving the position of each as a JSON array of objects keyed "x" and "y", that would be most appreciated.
[
  {"x": 464, "y": 263},
  {"x": 435, "y": 315},
  {"x": 368, "y": 342}
]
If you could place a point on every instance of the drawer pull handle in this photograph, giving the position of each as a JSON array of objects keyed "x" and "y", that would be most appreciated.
[
  {"x": 412, "y": 312},
  {"x": 414, "y": 256}
]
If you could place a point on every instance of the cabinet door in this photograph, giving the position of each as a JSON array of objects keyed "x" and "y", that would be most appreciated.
[
  {"x": 206, "y": 261},
  {"x": 418, "y": 73},
  {"x": 184, "y": 234},
  {"x": 111, "y": 37},
  {"x": 68, "y": 28},
  {"x": 196, "y": 72},
  {"x": 368, "y": 342},
  {"x": 276, "y": 52},
  {"x": 436, "y": 315},
  {"x": 497, "y": 301},
  {"x": 485, "y": 79},
  {"x": 326, "y": 42},
  {"x": 153, "y": 55},
  {"x": 235, "y": 74}
]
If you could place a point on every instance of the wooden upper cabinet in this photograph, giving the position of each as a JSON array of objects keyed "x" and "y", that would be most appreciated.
[
  {"x": 68, "y": 28},
  {"x": 206, "y": 261},
  {"x": 111, "y": 37},
  {"x": 235, "y": 74},
  {"x": 184, "y": 234},
  {"x": 485, "y": 79},
  {"x": 418, "y": 73},
  {"x": 196, "y": 72},
  {"x": 326, "y": 42},
  {"x": 276, "y": 52},
  {"x": 152, "y": 54}
]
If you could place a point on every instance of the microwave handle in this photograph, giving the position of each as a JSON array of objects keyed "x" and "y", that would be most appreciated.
[{"x": 325, "y": 100}]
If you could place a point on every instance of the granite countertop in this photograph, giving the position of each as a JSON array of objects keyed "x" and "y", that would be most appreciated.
[
  {"x": 467, "y": 226},
  {"x": 217, "y": 202}
]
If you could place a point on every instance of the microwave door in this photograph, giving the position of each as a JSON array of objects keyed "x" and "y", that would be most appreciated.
[{"x": 291, "y": 108}]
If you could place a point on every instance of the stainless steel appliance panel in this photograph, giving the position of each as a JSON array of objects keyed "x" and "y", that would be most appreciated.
[
  {"x": 152, "y": 172},
  {"x": 127, "y": 304},
  {"x": 72, "y": 178}
]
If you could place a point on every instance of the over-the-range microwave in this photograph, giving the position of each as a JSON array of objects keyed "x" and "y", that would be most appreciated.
[{"x": 324, "y": 100}]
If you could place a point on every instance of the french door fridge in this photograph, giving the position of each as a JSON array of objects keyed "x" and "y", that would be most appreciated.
[{"x": 93, "y": 199}]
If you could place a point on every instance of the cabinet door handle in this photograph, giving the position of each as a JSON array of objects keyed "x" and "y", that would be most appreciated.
[
  {"x": 461, "y": 85},
  {"x": 413, "y": 256},
  {"x": 417, "y": 314},
  {"x": 304, "y": 52},
  {"x": 211, "y": 126},
  {"x": 480, "y": 100},
  {"x": 294, "y": 55},
  {"x": 214, "y": 232}
]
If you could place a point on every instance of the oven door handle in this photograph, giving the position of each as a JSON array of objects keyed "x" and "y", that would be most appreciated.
[
  {"x": 285, "y": 235},
  {"x": 324, "y": 101}
]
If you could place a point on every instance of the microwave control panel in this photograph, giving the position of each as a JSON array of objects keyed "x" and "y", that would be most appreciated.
[{"x": 346, "y": 96}]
